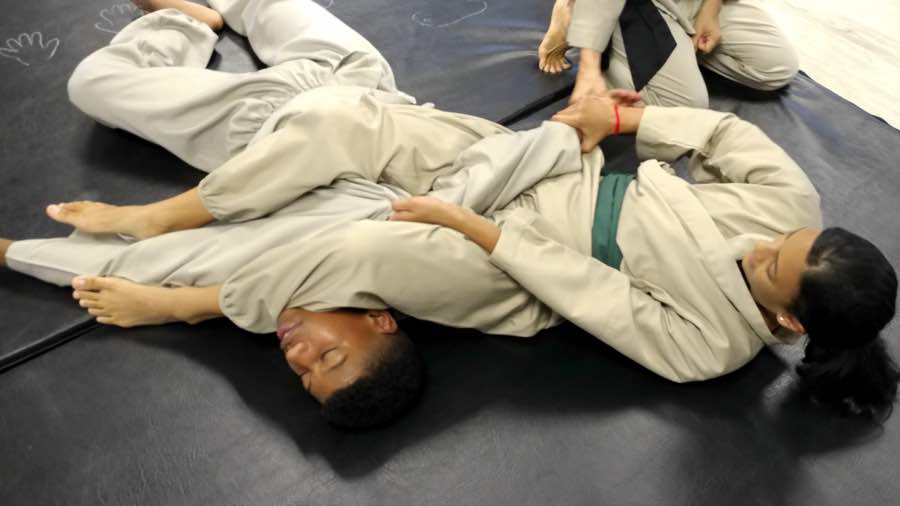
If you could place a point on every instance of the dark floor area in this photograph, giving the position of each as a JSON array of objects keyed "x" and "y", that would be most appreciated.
[{"x": 209, "y": 414}]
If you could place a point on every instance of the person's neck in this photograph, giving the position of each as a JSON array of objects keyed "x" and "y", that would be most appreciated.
[{"x": 769, "y": 318}]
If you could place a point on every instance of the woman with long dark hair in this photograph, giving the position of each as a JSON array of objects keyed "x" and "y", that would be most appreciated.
[{"x": 691, "y": 280}]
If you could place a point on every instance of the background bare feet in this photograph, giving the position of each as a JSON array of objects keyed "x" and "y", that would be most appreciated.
[
  {"x": 552, "y": 51},
  {"x": 199, "y": 12}
]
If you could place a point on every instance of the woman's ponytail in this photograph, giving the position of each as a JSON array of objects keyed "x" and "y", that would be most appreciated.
[
  {"x": 859, "y": 381},
  {"x": 847, "y": 296}
]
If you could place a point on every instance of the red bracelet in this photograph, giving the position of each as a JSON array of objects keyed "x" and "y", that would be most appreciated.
[{"x": 618, "y": 121}]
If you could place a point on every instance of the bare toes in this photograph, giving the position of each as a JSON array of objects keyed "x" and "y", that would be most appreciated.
[
  {"x": 90, "y": 283},
  {"x": 97, "y": 312},
  {"x": 90, "y": 304}
]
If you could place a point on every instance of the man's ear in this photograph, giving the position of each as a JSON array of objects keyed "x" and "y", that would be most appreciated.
[
  {"x": 383, "y": 320},
  {"x": 790, "y": 322}
]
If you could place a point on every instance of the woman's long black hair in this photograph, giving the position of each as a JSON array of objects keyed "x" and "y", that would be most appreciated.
[{"x": 847, "y": 296}]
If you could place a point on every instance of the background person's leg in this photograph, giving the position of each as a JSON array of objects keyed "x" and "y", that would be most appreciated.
[
  {"x": 310, "y": 42},
  {"x": 753, "y": 51},
  {"x": 677, "y": 83}
]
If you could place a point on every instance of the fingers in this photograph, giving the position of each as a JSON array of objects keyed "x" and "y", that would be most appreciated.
[
  {"x": 402, "y": 216},
  {"x": 410, "y": 209},
  {"x": 705, "y": 42},
  {"x": 401, "y": 204},
  {"x": 624, "y": 97},
  {"x": 568, "y": 116},
  {"x": 710, "y": 43}
]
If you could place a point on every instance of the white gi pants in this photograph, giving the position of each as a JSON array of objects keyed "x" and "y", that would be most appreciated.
[
  {"x": 152, "y": 79},
  {"x": 752, "y": 52}
]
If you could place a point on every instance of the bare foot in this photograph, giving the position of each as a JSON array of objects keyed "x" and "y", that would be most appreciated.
[
  {"x": 552, "y": 51},
  {"x": 116, "y": 301},
  {"x": 100, "y": 218},
  {"x": 199, "y": 12},
  {"x": 4, "y": 246}
]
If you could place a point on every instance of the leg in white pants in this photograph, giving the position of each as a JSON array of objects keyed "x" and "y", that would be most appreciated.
[
  {"x": 152, "y": 81},
  {"x": 753, "y": 51},
  {"x": 677, "y": 83}
]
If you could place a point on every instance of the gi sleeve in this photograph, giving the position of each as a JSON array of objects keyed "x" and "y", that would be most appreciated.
[
  {"x": 593, "y": 23},
  {"x": 725, "y": 149},
  {"x": 255, "y": 295},
  {"x": 495, "y": 170},
  {"x": 605, "y": 303}
]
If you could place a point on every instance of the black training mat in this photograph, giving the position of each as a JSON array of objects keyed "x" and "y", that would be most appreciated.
[
  {"x": 468, "y": 56},
  {"x": 212, "y": 415},
  {"x": 471, "y": 56}
]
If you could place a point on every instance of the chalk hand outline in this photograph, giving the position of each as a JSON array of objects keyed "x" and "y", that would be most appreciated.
[
  {"x": 430, "y": 22},
  {"x": 30, "y": 48},
  {"x": 113, "y": 16}
]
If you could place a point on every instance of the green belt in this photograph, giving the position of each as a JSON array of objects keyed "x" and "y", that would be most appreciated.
[{"x": 606, "y": 218}]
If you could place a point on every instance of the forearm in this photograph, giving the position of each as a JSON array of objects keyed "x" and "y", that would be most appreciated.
[
  {"x": 710, "y": 7},
  {"x": 478, "y": 229}
]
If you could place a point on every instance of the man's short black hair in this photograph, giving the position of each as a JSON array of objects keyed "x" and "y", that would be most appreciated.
[{"x": 393, "y": 384}]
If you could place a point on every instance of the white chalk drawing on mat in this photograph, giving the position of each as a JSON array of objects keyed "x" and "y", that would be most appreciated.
[
  {"x": 29, "y": 48},
  {"x": 117, "y": 17},
  {"x": 450, "y": 14},
  {"x": 325, "y": 3}
]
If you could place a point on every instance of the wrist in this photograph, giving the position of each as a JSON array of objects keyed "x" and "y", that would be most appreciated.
[
  {"x": 710, "y": 8},
  {"x": 630, "y": 119},
  {"x": 460, "y": 218},
  {"x": 616, "y": 119}
]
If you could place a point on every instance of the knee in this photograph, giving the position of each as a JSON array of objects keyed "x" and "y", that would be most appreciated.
[
  {"x": 83, "y": 85},
  {"x": 695, "y": 96},
  {"x": 777, "y": 71}
]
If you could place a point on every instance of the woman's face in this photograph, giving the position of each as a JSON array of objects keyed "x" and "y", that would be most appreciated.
[{"x": 774, "y": 269}]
